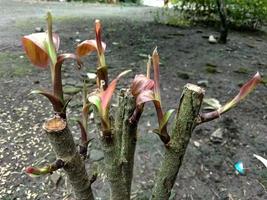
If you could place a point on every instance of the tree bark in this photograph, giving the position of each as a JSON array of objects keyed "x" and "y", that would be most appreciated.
[
  {"x": 224, "y": 23},
  {"x": 184, "y": 123},
  {"x": 120, "y": 148},
  {"x": 63, "y": 145}
]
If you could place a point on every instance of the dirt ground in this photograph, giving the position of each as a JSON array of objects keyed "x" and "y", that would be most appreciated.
[{"x": 130, "y": 33}]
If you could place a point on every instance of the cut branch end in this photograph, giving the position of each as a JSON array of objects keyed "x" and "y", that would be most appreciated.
[{"x": 54, "y": 124}]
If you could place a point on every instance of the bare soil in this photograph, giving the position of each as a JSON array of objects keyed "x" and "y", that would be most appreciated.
[{"x": 207, "y": 171}]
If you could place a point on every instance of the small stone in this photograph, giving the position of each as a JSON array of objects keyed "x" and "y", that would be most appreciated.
[
  {"x": 91, "y": 76},
  {"x": 217, "y": 136},
  {"x": 78, "y": 40},
  {"x": 96, "y": 155},
  {"x": 196, "y": 143},
  {"x": 212, "y": 39},
  {"x": 39, "y": 29}
]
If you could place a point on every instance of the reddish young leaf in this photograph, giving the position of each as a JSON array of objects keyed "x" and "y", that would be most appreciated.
[
  {"x": 107, "y": 94},
  {"x": 87, "y": 47},
  {"x": 36, "y": 172},
  {"x": 36, "y": 49},
  {"x": 244, "y": 91},
  {"x": 145, "y": 96},
  {"x": 155, "y": 59},
  {"x": 98, "y": 37},
  {"x": 141, "y": 83}
]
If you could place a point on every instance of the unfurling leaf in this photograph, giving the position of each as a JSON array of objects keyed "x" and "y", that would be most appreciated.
[
  {"x": 36, "y": 48},
  {"x": 107, "y": 94},
  {"x": 36, "y": 172},
  {"x": 141, "y": 83},
  {"x": 165, "y": 119},
  {"x": 51, "y": 49},
  {"x": 102, "y": 100},
  {"x": 49, "y": 169},
  {"x": 212, "y": 103},
  {"x": 96, "y": 101},
  {"x": 87, "y": 47},
  {"x": 155, "y": 60},
  {"x": 98, "y": 30},
  {"x": 145, "y": 96},
  {"x": 244, "y": 91}
]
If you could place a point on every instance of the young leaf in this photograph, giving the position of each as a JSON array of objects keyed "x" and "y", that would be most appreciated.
[
  {"x": 155, "y": 59},
  {"x": 96, "y": 101},
  {"x": 36, "y": 172},
  {"x": 107, "y": 94},
  {"x": 244, "y": 91},
  {"x": 87, "y": 47},
  {"x": 36, "y": 50},
  {"x": 51, "y": 49},
  {"x": 145, "y": 96},
  {"x": 141, "y": 83},
  {"x": 165, "y": 119},
  {"x": 49, "y": 169},
  {"x": 98, "y": 36}
]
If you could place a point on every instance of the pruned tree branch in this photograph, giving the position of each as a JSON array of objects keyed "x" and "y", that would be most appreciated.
[
  {"x": 62, "y": 142},
  {"x": 120, "y": 148},
  {"x": 184, "y": 123}
]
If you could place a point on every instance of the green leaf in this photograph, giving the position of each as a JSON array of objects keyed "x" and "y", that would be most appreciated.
[
  {"x": 96, "y": 101},
  {"x": 165, "y": 119},
  {"x": 49, "y": 44}
]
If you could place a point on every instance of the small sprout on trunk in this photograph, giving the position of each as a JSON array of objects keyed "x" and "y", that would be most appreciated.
[
  {"x": 144, "y": 90},
  {"x": 49, "y": 169},
  {"x": 101, "y": 100},
  {"x": 245, "y": 90}
]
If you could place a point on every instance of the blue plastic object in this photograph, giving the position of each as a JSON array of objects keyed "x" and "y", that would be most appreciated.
[{"x": 239, "y": 167}]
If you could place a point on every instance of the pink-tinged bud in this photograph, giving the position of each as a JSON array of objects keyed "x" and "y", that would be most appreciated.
[
  {"x": 98, "y": 36},
  {"x": 36, "y": 172},
  {"x": 155, "y": 60}
]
